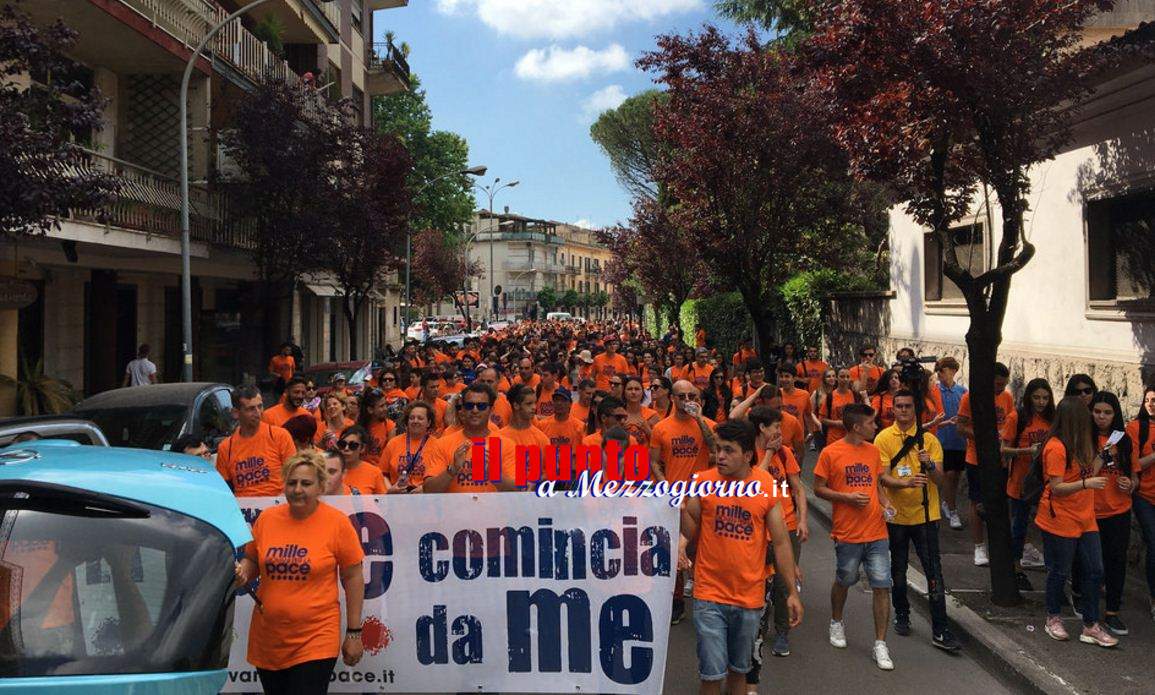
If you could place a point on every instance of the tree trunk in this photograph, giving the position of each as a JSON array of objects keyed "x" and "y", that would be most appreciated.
[
  {"x": 352, "y": 307},
  {"x": 674, "y": 316},
  {"x": 765, "y": 325},
  {"x": 983, "y": 344}
]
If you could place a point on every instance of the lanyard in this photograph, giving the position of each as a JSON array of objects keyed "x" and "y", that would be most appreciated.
[{"x": 411, "y": 458}]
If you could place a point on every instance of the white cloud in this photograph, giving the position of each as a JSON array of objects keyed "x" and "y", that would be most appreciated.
[
  {"x": 584, "y": 223},
  {"x": 602, "y": 100},
  {"x": 555, "y": 63},
  {"x": 558, "y": 19}
]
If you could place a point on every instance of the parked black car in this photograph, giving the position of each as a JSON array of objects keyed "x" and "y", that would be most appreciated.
[{"x": 152, "y": 417}]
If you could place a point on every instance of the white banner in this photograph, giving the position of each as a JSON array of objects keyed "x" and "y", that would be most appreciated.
[{"x": 502, "y": 592}]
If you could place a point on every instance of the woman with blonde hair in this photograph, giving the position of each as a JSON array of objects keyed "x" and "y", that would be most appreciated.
[
  {"x": 295, "y": 635},
  {"x": 332, "y": 419}
]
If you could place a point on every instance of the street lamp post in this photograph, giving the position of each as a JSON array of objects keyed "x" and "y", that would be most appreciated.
[
  {"x": 491, "y": 190},
  {"x": 185, "y": 260},
  {"x": 471, "y": 171}
]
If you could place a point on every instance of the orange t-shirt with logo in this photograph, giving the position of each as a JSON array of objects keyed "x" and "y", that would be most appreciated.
[
  {"x": 797, "y": 403},
  {"x": 1034, "y": 433},
  {"x": 379, "y": 433},
  {"x": 812, "y": 371},
  {"x": 730, "y": 565},
  {"x": 300, "y": 562},
  {"x": 848, "y": 468},
  {"x": 1142, "y": 450},
  {"x": 872, "y": 374},
  {"x": 1072, "y": 515},
  {"x": 782, "y": 465},
  {"x": 396, "y": 458},
  {"x": 606, "y": 367},
  {"x": 1111, "y": 501},
  {"x": 681, "y": 446},
  {"x": 283, "y": 366},
  {"x": 568, "y": 432},
  {"x": 441, "y": 455},
  {"x": 367, "y": 478},
  {"x": 279, "y": 414},
  {"x": 1004, "y": 406},
  {"x": 252, "y": 465},
  {"x": 830, "y": 408}
]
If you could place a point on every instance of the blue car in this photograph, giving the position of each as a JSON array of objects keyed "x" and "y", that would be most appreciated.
[{"x": 116, "y": 571}]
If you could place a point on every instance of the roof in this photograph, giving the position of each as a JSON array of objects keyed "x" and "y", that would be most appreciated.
[
  {"x": 184, "y": 484},
  {"x": 147, "y": 396}
]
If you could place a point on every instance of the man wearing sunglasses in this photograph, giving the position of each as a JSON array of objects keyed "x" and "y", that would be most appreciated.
[
  {"x": 866, "y": 373},
  {"x": 450, "y": 464}
]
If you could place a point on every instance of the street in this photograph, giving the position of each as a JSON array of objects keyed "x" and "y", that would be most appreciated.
[{"x": 815, "y": 666}]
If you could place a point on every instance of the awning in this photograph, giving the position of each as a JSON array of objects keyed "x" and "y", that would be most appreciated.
[{"x": 323, "y": 290}]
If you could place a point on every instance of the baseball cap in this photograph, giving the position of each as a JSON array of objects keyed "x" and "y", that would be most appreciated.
[
  {"x": 586, "y": 356},
  {"x": 562, "y": 392}
]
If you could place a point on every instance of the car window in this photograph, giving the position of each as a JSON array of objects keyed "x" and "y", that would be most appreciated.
[
  {"x": 211, "y": 419},
  {"x": 151, "y": 427}
]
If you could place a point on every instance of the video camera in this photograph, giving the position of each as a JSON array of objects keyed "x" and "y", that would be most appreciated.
[{"x": 911, "y": 371}]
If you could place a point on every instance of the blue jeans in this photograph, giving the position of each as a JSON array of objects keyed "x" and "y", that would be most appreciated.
[
  {"x": 1059, "y": 553},
  {"x": 725, "y": 638},
  {"x": 1020, "y": 520},
  {"x": 1145, "y": 513},
  {"x": 875, "y": 555},
  {"x": 925, "y": 540}
]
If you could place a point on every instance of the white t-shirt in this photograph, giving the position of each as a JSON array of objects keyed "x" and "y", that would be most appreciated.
[{"x": 139, "y": 371}]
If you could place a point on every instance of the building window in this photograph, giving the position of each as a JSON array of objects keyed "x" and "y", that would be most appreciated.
[
  {"x": 357, "y": 12},
  {"x": 1121, "y": 250},
  {"x": 971, "y": 250}
]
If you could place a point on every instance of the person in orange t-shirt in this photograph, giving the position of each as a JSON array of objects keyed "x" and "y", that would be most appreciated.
[
  {"x": 1036, "y": 411},
  {"x": 250, "y": 459},
  {"x": 830, "y": 408},
  {"x": 291, "y": 404},
  {"x": 683, "y": 443},
  {"x": 849, "y": 474},
  {"x": 300, "y": 550},
  {"x": 699, "y": 336},
  {"x": 639, "y": 420},
  {"x": 812, "y": 368},
  {"x": 520, "y": 430},
  {"x": 1066, "y": 517},
  {"x": 866, "y": 374},
  {"x": 500, "y": 412},
  {"x": 1141, "y": 432},
  {"x": 1004, "y": 406},
  {"x": 608, "y": 364},
  {"x": 405, "y": 455},
  {"x": 562, "y": 428},
  {"x": 361, "y": 474},
  {"x": 332, "y": 421},
  {"x": 548, "y": 383},
  {"x": 795, "y": 401},
  {"x": 374, "y": 420},
  {"x": 450, "y": 464},
  {"x": 792, "y": 430},
  {"x": 732, "y": 535},
  {"x": 1112, "y": 506},
  {"x": 744, "y": 354},
  {"x": 282, "y": 366},
  {"x": 431, "y": 393}
]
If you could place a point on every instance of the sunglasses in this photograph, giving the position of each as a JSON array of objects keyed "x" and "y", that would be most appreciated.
[
  {"x": 388, "y": 378},
  {"x": 348, "y": 445},
  {"x": 868, "y": 354},
  {"x": 686, "y": 396},
  {"x": 474, "y": 406}
]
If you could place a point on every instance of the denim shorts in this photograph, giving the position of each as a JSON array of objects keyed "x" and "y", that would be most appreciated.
[
  {"x": 725, "y": 638},
  {"x": 875, "y": 555}
]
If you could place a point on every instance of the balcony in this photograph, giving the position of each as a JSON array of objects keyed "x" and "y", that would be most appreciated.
[
  {"x": 384, "y": 4},
  {"x": 387, "y": 71},
  {"x": 149, "y": 202},
  {"x": 189, "y": 20},
  {"x": 523, "y": 265},
  {"x": 304, "y": 21}
]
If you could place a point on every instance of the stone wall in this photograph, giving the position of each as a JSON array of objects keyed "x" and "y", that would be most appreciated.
[{"x": 863, "y": 319}]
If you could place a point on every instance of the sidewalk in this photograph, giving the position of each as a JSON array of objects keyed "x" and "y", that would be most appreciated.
[{"x": 1012, "y": 639}]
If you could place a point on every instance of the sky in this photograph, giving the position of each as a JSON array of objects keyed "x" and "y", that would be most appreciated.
[{"x": 523, "y": 80}]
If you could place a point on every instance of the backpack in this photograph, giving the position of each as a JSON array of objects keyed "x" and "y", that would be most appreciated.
[{"x": 1034, "y": 482}]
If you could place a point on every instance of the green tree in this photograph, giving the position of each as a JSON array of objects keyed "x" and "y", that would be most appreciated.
[
  {"x": 625, "y": 134},
  {"x": 547, "y": 297},
  {"x": 570, "y": 300},
  {"x": 784, "y": 17},
  {"x": 445, "y": 203}
]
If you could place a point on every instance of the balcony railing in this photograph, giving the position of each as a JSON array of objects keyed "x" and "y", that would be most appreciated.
[
  {"x": 189, "y": 20},
  {"x": 332, "y": 12},
  {"x": 388, "y": 71},
  {"x": 149, "y": 201},
  {"x": 539, "y": 266}
]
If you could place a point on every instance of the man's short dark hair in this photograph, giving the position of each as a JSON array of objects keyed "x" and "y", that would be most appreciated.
[
  {"x": 1002, "y": 370},
  {"x": 754, "y": 363},
  {"x": 247, "y": 392},
  {"x": 429, "y": 377},
  {"x": 608, "y": 405},
  {"x": 301, "y": 428},
  {"x": 187, "y": 441},
  {"x": 738, "y": 431},
  {"x": 855, "y": 414},
  {"x": 863, "y": 349},
  {"x": 585, "y": 384},
  {"x": 904, "y": 393},
  {"x": 764, "y": 416},
  {"x": 518, "y": 393},
  {"x": 484, "y": 389},
  {"x": 294, "y": 380},
  {"x": 787, "y": 368}
]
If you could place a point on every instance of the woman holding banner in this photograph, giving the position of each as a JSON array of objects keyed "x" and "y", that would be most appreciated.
[{"x": 299, "y": 550}]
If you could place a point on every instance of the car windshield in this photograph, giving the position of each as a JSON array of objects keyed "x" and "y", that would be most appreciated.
[
  {"x": 323, "y": 377},
  {"x": 88, "y": 588},
  {"x": 153, "y": 427}
]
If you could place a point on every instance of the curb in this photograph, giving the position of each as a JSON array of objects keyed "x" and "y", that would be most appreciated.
[{"x": 998, "y": 652}]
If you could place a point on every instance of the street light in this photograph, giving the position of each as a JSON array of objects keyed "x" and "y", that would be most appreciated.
[
  {"x": 491, "y": 190},
  {"x": 185, "y": 261},
  {"x": 478, "y": 170}
]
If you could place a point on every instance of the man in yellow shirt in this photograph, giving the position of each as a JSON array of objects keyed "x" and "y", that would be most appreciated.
[{"x": 914, "y": 458}]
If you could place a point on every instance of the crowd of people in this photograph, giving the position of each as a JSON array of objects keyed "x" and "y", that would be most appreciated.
[{"x": 892, "y": 442}]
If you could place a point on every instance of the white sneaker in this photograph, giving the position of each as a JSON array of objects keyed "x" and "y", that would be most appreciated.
[
  {"x": 882, "y": 656},
  {"x": 837, "y": 634},
  {"x": 945, "y": 510},
  {"x": 1032, "y": 558},
  {"x": 955, "y": 521},
  {"x": 981, "y": 557}
]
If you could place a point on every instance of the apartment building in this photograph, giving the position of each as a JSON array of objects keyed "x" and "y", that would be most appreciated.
[
  {"x": 109, "y": 280},
  {"x": 522, "y": 255},
  {"x": 1086, "y": 302}
]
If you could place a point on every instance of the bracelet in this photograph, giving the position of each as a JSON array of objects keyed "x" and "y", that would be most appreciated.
[{"x": 352, "y": 631}]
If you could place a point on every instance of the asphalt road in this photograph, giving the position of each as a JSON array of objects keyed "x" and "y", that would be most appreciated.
[{"x": 815, "y": 666}]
